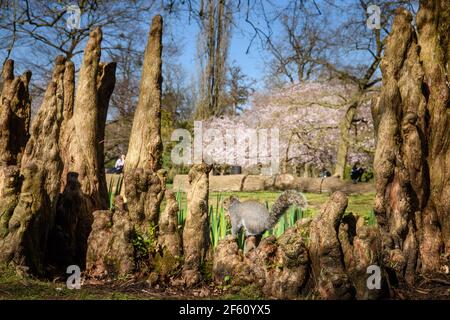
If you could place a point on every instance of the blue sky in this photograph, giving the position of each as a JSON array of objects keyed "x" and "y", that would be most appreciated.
[{"x": 251, "y": 63}]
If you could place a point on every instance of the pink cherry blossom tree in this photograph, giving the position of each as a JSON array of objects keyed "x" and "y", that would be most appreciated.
[{"x": 307, "y": 116}]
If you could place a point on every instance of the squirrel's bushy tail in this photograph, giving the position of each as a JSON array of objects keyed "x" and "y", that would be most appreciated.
[{"x": 284, "y": 201}]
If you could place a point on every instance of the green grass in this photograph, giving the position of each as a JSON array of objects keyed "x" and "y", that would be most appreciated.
[
  {"x": 370, "y": 218},
  {"x": 357, "y": 204},
  {"x": 15, "y": 286},
  {"x": 220, "y": 227},
  {"x": 114, "y": 189}
]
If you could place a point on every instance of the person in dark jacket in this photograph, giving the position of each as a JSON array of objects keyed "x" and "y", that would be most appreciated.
[
  {"x": 356, "y": 173},
  {"x": 325, "y": 173}
]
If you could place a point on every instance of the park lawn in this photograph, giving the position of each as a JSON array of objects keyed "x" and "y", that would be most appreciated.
[
  {"x": 14, "y": 286},
  {"x": 23, "y": 287},
  {"x": 360, "y": 204}
]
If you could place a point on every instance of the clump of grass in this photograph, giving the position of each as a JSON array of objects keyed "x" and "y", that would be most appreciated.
[
  {"x": 287, "y": 221},
  {"x": 370, "y": 218},
  {"x": 17, "y": 286},
  {"x": 220, "y": 226},
  {"x": 181, "y": 209},
  {"x": 114, "y": 189},
  {"x": 248, "y": 292}
]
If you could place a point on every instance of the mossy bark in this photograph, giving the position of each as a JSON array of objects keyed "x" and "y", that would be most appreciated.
[
  {"x": 15, "y": 104},
  {"x": 168, "y": 236},
  {"x": 412, "y": 160},
  {"x": 110, "y": 252},
  {"x": 25, "y": 237},
  {"x": 43, "y": 228}
]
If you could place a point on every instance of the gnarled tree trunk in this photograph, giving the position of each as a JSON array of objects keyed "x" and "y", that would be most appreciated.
[
  {"x": 325, "y": 251},
  {"x": 110, "y": 248},
  {"x": 25, "y": 236},
  {"x": 15, "y": 105},
  {"x": 144, "y": 183},
  {"x": 83, "y": 179},
  {"x": 110, "y": 245},
  {"x": 15, "y": 113},
  {"x": 169, "y": 238},
  {"x": 42, "y": 228},
  {"x": 196, "y": 228},
  {"x": 412, "y": 160}
]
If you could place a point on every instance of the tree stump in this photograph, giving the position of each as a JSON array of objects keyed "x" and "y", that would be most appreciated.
[
  {"x": 15, "y": 104},
  {"x": 277, "y": 268},
  {"x": 326, "y": 257},
  {"x": 168, "y": 237},
  {"x": 196, "y": 228},
  {"x": 25, "y": 236},
  {"x": 110, "y": 251},
  {"x": 325, "y": 251}
]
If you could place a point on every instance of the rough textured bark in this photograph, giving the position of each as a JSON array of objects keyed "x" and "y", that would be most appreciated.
[
  {"x": 14, "y": 133},
  {"x": 169, "y": 238},
  {"x": 412, "y": 164},
  {"x": 433, "y": 21},
  {"x": 165, "y": 260},
  {"x": 325, "y": 251},
  {"x": 83, "y": 179},
  {"x": 110, "y": 251},
  {"x": 9, "y": 197},
  {"x": 326, "y": 257},
  {"x": 360, "y": 245},
  {"x": 84, "y": 130},
  {"x": 144, "y": 183},
  {"x": 278, "y": 268},
  {"x": 15, "y": 113},
  {"x": 25, "y": 237},
  {"x": 341, "y": 248},
  {"x": 196, "y": 228}
]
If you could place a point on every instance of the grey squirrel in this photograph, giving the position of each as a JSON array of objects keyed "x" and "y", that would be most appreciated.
[{"x": 255, "y": 217}]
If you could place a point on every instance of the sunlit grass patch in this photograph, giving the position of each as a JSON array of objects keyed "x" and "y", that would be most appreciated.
[
  {"x": 114, "y": 189},
  {"x": 220, "y": 225}
]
